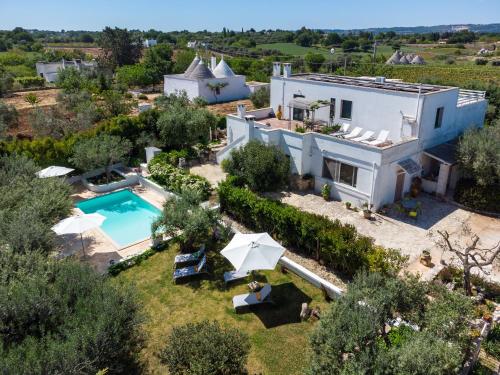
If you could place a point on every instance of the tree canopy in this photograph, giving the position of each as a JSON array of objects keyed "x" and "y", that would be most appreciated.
[
  {"x": 120, "y": 47},
  {"x": 432, "y": 338},
  {"x": 24, "y": 198},
  {"x": 60, "y": 317},
  {"x": 262, "y": 167}
]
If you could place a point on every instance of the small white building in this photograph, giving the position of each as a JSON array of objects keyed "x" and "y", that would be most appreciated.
[
  {"x": 391, "y": 132},
  {"x": 149, "y": 43},
  {"x": 216, "y": 83},
  {"x": 49, "y": 70}
]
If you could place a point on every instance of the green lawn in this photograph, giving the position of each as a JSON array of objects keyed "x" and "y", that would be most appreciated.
[
  {"x": 279, "y": 340},
  {"x": 295, "y": 50}
]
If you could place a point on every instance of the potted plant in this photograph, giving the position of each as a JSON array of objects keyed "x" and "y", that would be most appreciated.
[
  {"x": 367, "y": 212},
  {"x": 426, "y": 258},
  {"x": 325, "y": 192},
  {"x": 348, "y": 205},
  {"x": 416, "y": 187}
]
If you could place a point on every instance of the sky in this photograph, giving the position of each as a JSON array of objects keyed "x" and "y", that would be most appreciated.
[{"x": 193, "y": 15}]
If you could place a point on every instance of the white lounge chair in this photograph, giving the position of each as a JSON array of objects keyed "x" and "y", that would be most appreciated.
[
  {"x": 368, "y": 134},
  {"x": 250, "y": 299},
  {"x": 355, "y": 132},
  {"x": 382, "y": 138},
  {"x": 190, "y": 258},
  {"x": 343, "y": 129},
  {"x": 234, "y": 275}
]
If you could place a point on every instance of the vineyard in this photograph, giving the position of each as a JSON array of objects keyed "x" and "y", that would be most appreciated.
[{"x": 462, "y": 76}]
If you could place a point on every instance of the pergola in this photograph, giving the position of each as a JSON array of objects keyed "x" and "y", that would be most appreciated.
[{"x": 307, "y": 105}]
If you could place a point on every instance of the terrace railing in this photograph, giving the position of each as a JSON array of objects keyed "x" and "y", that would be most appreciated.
[{"x": 469, "y": 96}]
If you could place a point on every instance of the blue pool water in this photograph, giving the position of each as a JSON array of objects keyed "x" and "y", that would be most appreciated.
[{"x": 128, "y": 217}]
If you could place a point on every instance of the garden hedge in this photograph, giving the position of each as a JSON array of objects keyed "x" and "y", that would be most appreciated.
[
  {"x": 176, "y": 179},
  {"x": 337, "y": 245},
  {"x": 477, "y": 197}
]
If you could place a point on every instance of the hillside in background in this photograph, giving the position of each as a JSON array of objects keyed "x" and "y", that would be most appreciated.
[{"x": 482, "y": 28}]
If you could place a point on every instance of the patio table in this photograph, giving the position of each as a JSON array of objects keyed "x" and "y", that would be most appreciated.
[{"x": 409, "y": 204}]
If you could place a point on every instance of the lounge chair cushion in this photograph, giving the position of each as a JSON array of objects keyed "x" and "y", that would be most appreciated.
[
  {"x": 190, "y": 271},
  {"x": 192, "y": 257},
  {"x": 234, "y": 275},
  {"x": 252, "y": 298}
]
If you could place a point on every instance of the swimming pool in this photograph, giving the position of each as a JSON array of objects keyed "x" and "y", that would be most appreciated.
[{"x": 128, "y": 217}]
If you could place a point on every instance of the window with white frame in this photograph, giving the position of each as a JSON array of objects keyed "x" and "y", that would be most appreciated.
[{"x": 340, "y": 172}]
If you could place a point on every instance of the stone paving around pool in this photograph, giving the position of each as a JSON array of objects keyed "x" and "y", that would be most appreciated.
[
  {"x": 409, "y": 235},
  {"x": 99, "y": 249}
]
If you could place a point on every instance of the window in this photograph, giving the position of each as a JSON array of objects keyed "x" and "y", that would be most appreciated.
[
  {"x": 439, "y": 118},
  {"x": 298, "y": 114},
  {"x": 217, "y": 91},
  {"x": 332, "y": 108},
  {"x": 340, "y": 172},
  {"x": 298, "y": 96},
  {"x": 346, "y": 109}
]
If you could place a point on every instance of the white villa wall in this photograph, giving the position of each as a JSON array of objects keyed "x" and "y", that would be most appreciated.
[
  {"x": 372, "y": 109},
  {"x": 236, "y": 88},
  {"x": 176, "y": 83}
]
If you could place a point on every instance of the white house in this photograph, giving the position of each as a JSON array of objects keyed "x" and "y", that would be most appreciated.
[
  {"x": 49, "y": 70},
  {"x": 391, "y": 132},
  {"x": 149, "y": 43},
  {"x": 216, "y": 84}
]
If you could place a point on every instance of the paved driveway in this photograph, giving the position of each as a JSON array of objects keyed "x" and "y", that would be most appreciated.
[{"x": 408, "y": 235}]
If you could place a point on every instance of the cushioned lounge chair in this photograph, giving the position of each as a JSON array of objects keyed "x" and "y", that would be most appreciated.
[
  {"x": 382, "y": 138},
  {"x": 234, "y": 275},
  {"x": 355, "y": 132},
  {"x": 185, "y": 272},
  {"x": 251, "y": 299},
  {"x": 366, "y": 136},
  {"x": 190, "y": 258}
]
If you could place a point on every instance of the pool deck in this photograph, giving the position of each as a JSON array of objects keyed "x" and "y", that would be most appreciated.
[{"x": 99, "y": 248}]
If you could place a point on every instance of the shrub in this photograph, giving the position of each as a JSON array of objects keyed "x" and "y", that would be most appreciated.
[
  {"x": 261, "y": 98},
  {"x": 338, "y": 245},
  {"x": 177, "y": 180},
  {"x": 205, "y": 348},
  {"x": 31, "y": 81},
  {"x": 172, "y": 157},
  {"x": 478, "y": 197},
  {"x": 142, "y": 97},
  {"x": 492, "y": 343},
  {"x": 481, "y": 61},
  {"x": 263, "y": 167}
]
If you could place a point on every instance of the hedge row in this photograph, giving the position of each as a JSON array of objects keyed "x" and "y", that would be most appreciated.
[
  {"x": 337, "y": 245},
  {"x": 176, "y": 179},
  {"x": 26, "y": 82},
  {"x": 477, "y": 197}
]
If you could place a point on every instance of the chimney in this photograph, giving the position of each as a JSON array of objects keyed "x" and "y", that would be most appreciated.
[
  {"x": 287, "y": 70},
  {"x": 213, "y": 63},
  {"x": 276, "y": 69},
  {"x": 241, "y": 110},
  {"x": 250, "y": 119}
]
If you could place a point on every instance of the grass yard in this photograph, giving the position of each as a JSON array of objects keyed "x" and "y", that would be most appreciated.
[
  {"x": 294, "y": 49},
  {"x": 280, "y": 342}
]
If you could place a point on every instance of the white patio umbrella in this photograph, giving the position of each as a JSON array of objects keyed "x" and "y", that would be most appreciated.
[
  {"x": 256, "y": 251},
  {"x": 78, "y": 225},
  {"x": 53, "y": 171}
]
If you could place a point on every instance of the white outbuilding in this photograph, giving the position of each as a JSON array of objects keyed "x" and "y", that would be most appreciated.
[{"x": 215, "y": 83}]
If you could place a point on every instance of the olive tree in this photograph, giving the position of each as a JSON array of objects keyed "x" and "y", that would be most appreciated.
[
  {"x": 354, "y": 336},
  {"x": 479, "y": 154},
  {"x": 24, "y": 198},
  {"x": 262, "y": 167},
  {"x": 205, "y": 348},
  {"x": 61, "y": 317},
  {"x": 100, "y": 152}
]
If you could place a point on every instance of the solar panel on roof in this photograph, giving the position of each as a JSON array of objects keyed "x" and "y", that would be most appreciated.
[{"x": 409, "y": 166}]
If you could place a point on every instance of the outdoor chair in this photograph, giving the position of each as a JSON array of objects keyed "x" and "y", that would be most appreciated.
[
  {"x": 343, "y": 129},
  {"x": 382, "y": 138},
  {"x": 251, "y": 299},
  {"x": 185, "y": 272},
  {"x": 190, "y": 258},
  {"x": 355, "y": 132},
  {"x": 234, "y": 275},
  {"x": 367, "y": 135}
]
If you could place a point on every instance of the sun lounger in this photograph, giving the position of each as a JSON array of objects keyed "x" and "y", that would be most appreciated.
[
  {"x": 343, "y": 129},
  {"x": 355, "y": 132},
  {"x": 382, "y": 138},
  {"x": 251, "y": 299},
  {"x": 234, "y": 275},
  {"x": 364, "y": 137},
  {"x": 190, "y": 258},
  {"x": 199, "y": 269}
]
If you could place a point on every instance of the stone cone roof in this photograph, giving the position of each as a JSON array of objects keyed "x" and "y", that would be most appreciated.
[
  {"x": 418, "y": 60},
  {"x": 222, "y": 70},
  {"x": 394, "y": 59},
  {"x": 192, "y": 66},
  {"x": 201, "y": 72}
]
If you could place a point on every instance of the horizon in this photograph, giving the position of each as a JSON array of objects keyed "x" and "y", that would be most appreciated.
[{"x": 178, "y": 15}]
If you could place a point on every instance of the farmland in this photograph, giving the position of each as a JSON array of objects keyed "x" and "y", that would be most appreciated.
[{"x": 294, "y": 49}]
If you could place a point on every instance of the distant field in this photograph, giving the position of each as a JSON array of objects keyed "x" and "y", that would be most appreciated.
[{"x": 294, "y": 49}]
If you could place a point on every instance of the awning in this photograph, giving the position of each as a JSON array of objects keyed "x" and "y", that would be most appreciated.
[
  {"x": 445, "y": 153},
  {"x": 409, "y": 166},
  {"x": 300, "y": 103}
]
